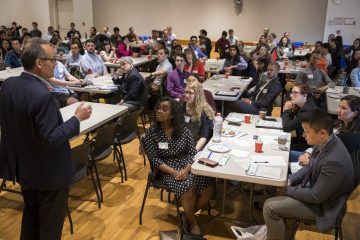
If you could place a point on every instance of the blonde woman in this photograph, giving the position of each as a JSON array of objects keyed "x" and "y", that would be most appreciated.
[{"x": 197, "y": 113}]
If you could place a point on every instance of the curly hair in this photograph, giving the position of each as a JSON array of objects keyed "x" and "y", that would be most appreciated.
[
  {"x": 177, "y": 118},
  {"x": 199, "y": 104}
]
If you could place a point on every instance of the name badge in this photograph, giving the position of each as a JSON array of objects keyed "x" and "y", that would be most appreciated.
[
  {"x": 187, "y": 119},
  {"x": 264, "y": 91},
  {"x": 163, "y": 145},
  {"x": 310, "y": 76}
]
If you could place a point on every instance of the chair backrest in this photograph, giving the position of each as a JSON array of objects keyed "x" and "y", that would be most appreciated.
[
  {"x": 103, "y": 140},
  {"x": 145, "y": 96},
  {"x": 155, "y": 173},
  {"x": 128, "y": 125},
  {"x": 210, "y": 99},
  {"x": 80, "y": 156},
  {"x": 164, "y": 91},
  {"x": 355, "y": 156}
]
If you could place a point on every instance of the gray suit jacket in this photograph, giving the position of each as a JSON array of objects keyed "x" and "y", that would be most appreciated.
[{"x": 332, "y": 179}]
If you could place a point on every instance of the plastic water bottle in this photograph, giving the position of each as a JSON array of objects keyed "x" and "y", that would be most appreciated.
[{"x": 218, "y": 122}]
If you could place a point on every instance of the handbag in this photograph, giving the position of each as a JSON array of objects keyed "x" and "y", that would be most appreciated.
[{"x": 257, "y": 232}]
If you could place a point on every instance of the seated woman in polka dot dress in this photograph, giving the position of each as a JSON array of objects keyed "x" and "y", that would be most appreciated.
[{"x": 171, "y": 149}]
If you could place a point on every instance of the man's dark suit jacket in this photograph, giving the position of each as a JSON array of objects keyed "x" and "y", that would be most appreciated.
[
  {"x": 330, "y": 182},
  {"x": 267, "y": 95},
  {"x": 34, "y": 147},
  {"x": 132, "y": 86}
]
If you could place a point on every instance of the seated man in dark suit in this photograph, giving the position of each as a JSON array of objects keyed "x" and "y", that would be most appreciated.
[
  {"x": 263, "y": 97},
  {"x": 131, "y": 84},
  {"x": 319, "y": 190}
]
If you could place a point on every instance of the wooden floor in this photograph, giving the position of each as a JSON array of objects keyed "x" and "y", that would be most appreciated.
[{"x": 119, "y": 216}]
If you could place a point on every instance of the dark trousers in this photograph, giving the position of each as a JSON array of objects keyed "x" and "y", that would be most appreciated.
[{"x": 43, "y": 214}]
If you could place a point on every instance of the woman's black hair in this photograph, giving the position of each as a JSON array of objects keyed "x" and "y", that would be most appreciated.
[
  {"x": 177, "y": 117},
  {"x": 354, "y": 104},
  {"x": 236, "y": 58}
]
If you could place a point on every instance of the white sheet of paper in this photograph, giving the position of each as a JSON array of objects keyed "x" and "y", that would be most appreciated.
[
  {"x": 269, "y": 124},
  {"x": 239, "y": 153},
  {"x": 271, "y": 160},
  {"x": 295, "y": 166},
  {"x": 268, "y": 172}
]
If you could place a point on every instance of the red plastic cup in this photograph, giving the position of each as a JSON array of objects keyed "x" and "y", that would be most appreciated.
[
  {"x": 247, "y": 118},
  {"x": 227, "y": 74},
  {"x": 258, "y": 146}
]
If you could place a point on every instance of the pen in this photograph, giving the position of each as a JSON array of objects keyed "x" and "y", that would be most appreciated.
[
  {"x": 243, "y": 135},
  {"x": 209, "y": 155},
  {"x": 262, "y": 162}
]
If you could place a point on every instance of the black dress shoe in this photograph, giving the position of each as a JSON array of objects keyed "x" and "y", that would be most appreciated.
[
  {"x": 192, "y": 236},
  {"x": 185, "y": 223}
]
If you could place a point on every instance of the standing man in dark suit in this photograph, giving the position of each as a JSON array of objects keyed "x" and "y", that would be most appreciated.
[
  {"x": 34, "y": 147},
  {"x": 131, "y": 84},
  {"x": 319, "y": 190}
]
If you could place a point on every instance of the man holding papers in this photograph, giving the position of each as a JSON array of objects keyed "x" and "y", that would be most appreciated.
[{"x": 317, "y": 191}]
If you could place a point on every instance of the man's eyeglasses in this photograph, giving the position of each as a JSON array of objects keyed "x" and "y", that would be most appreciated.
[
  {"x": 179, "y": 60},
  {"x": 53, "y": 60}
]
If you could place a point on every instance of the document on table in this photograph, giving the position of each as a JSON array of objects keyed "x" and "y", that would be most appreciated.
[
  {"x": 264, "y": 171},
  {"x": 227, "y": 93},
  {"x": 268, "y": 160},
  {"x": 268, "y": 124}
]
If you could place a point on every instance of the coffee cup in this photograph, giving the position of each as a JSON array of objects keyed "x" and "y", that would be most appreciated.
[
  {"x": 262, "y": 114},
  {"x": 282, "y": 139},
  {"x": 247, "y": 118},
  {"x": 8, "y": 69},
  {"x": 258, "y": 146}
]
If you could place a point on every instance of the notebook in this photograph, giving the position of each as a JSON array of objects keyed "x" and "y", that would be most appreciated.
[
  {"x": 269, "y": 124},
  {"x": 227, "y": 93},
  {"x": 264, "y": 171}
]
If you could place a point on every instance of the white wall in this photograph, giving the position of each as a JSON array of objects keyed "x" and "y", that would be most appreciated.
[
  {"x": 25, "y": 12},
  {"x": 304, "y": 19},
  {"x": 83, "y": 15},
  {"x": 347, "y": 9}
]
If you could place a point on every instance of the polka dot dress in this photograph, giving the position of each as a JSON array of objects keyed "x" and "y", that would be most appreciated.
[{"x": 178, "y": 154}]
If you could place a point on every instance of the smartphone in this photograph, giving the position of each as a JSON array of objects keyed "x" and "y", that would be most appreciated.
[
  {"x": 270, "y": 119},
  {"x": 234, "y": 124}
]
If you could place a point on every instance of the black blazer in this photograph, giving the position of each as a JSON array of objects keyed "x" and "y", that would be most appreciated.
[
  {"x": 292, "y": 121},
  {"x": 131, "y": 86},
  {"x": 267, "y": 95},
  {"x": 34, "y": 147}
]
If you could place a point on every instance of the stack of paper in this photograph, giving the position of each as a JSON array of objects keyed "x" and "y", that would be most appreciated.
[
  {"x": 264, "y": 171},
  {"x": 269, "y": 124}
]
